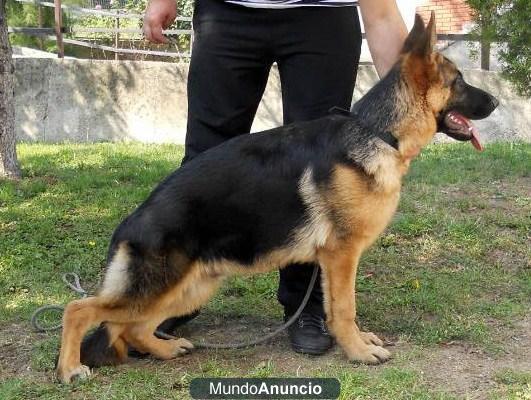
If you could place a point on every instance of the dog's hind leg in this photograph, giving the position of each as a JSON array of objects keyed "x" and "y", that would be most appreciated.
[
  {"x": 79, "y": 317},
  {"x": 104, "y": 346},
  {"x": 338, "y": 280},
  {"x": 141, "y": 337},
  {"x": 186, "y": 296}
]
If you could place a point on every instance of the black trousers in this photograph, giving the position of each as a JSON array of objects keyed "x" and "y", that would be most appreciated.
[{"x": 317, "y": 52}]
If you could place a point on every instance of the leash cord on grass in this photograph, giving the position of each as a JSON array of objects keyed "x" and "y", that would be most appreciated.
[{"x": 71, "y": 279}]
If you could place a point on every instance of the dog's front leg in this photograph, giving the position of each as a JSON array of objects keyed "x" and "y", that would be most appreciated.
[
  {"x": 79, "y": 317},
  {"x": 339, "y": 269}
]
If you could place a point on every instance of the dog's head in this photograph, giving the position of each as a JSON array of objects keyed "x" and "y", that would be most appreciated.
[{"x": 453, "y": 102}]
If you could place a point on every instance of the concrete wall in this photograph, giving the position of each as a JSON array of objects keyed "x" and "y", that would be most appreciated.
[
  {"x": 88, "y": 100},
  {"x": 84, "y": 100}
]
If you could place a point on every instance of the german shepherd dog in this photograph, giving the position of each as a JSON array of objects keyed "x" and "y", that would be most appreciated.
[{"x": 319, "y": 191}]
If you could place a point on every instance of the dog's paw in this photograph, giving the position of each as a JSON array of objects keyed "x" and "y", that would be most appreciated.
[
  {"x": 183, "y": 346},
  {"x": 371, "y": 338},
  {"x": 81, "y": 372},
  {"x": 370, "y": 354}
]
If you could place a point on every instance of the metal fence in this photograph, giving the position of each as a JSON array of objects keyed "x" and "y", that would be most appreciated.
[
  {"x": 104, "y": 4},
  {"x": 79, "y": 36}
]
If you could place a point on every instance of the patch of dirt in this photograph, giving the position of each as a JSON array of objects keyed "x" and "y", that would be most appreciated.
[
  {"x": 456, "y": 368},
  {"x": 462, "y": 370},
  {"x": 16, "y": 346},
  {"x": 241, "y": 329},
  {"x": 496, "y": 196},
  {"x": 509, "y": 260}
]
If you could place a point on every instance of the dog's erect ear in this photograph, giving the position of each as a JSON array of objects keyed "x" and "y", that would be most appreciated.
[
  {"x": 421, "y": 40},
  {"x": 431, "y": 35},
  {"x": 416, "y": 35}
]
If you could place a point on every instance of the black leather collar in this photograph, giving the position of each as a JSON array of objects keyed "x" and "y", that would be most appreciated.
[
  {"x": 339, "y": 110},
  {"x": 386, "y": 136}
]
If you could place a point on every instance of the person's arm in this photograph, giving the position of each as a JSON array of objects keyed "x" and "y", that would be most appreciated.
[
  {"x": 159, "y": 15},
  {"x": 385, "y": 30}
]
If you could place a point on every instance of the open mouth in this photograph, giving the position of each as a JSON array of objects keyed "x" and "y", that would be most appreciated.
[{"x": 460, "y": 128}]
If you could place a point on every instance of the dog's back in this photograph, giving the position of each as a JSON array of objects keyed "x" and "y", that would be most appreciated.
[{"x": 236, "y": 203}]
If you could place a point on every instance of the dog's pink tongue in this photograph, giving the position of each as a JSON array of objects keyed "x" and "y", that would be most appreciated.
[
  {"x": 473, "y": 132},
  {"x": 475, "y": 137}
]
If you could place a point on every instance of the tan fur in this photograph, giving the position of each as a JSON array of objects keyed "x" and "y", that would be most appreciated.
[
  {"x": 130, "y": 323},
  {"x": 116, "y": 281},
  {"x": 339, "y": 267},
  {"x": 318, "y": 227},
  {"x": 78, "y": 318},
  {"x": 116, "y": 341},
  {"x": 366, "y": 211},
  {"x": 297, "y": 252},
  {"x": 141, "y": 337},
  {"x": 363, "y": 208},
  {"x": 427, "y": 81},
  {"x": 429, "y": 92}
]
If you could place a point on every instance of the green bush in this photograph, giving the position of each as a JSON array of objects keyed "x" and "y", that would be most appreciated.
[
  {"x": 27, "y": 15},
  {"x": 507, "y": 21}
]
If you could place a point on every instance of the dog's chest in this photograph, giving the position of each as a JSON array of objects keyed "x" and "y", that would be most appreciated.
[
  {"x": 371, "y": 219},
  {"x": 363, "y": 210}
]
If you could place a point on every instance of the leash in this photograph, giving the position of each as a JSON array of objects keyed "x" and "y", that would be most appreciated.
[{"x": 71, "y": 280}]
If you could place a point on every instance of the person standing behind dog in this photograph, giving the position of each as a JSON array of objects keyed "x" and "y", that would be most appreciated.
[{"x": 316, "y": 45}]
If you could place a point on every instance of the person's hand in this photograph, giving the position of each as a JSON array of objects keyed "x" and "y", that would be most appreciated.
[
  {"x": 386, "y": 32},
  {"x": 159, "y": 15}
]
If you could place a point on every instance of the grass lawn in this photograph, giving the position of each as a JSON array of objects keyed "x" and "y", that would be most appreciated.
[{"x": 447, "y": 285}]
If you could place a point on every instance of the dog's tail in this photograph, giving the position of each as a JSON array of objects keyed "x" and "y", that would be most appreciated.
[{"x": 97, "y": 350}]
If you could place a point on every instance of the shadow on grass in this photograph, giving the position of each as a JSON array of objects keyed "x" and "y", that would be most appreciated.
[{"x": 61, "y": 216}]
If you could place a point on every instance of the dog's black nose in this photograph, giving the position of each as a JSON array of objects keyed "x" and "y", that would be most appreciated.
[{"x": 494, "y": 102}]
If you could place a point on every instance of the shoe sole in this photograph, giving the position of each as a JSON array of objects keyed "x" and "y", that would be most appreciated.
[{"x": 309, "y": 351}]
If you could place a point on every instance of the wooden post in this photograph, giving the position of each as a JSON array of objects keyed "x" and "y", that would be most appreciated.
[
  {"x": 485, "y": 55},
  {"x": 41, "y": 24},
  {"x": 191, "y": 39},
  {"x": 117, "y": 37},
  {"x": 58, "y": 28},
  {"x": 484, "y": 47}
]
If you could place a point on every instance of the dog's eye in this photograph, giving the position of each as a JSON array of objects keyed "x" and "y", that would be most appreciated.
[{"x": 458, "y": 80}]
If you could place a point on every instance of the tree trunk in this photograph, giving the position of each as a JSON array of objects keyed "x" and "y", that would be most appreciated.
[{"x": 8, "y": 156}]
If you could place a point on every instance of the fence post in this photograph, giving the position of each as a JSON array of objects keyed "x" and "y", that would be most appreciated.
[
  {"x": 41, "y": 24},
  {"x": 58, "y": 28},
  {"x": 117, "y": 35},
  {"x": 484, "y": 47},
  {"x": 191, "y": 39},
  {"x": 485, "y": 54}
]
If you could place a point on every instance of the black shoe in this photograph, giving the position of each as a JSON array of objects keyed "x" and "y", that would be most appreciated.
[
  {"x": 169, "y": 325},
  {"x": 309, "y": 335}
]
